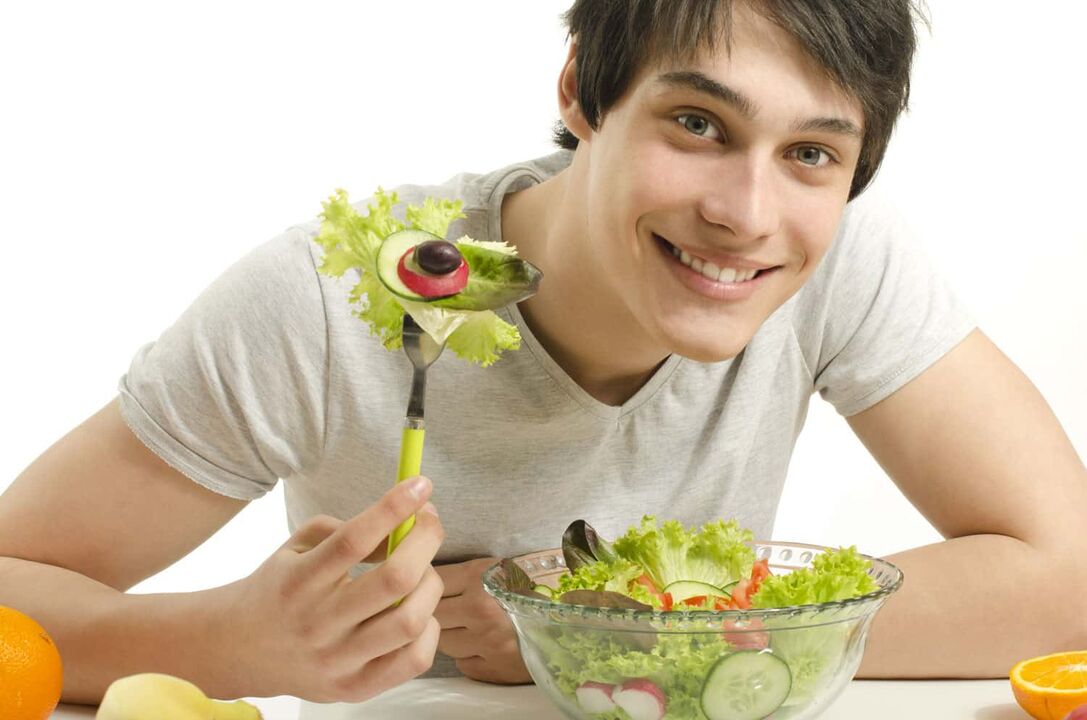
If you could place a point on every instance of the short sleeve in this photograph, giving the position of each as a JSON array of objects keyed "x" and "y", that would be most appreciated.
[
  {"x": 876, "y": 314},
  {"x": 233, "y": 394}
]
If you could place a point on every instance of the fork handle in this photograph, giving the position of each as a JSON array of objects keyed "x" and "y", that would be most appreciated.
[{"x": 411, "y": 462}]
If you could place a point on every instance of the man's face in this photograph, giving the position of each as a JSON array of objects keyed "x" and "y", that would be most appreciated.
[{"x": 715, "y": 188}]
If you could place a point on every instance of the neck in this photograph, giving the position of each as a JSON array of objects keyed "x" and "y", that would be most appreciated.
[{"x": 585, "y": 327}]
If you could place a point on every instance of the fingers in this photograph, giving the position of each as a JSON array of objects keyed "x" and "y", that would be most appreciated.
[
  {"x": 459, "y": 643},
  {"x": 380, "y": 552},
  {"x": 459, "y": 577},
  {"x": 395, "y": 627},
  {"x": 474, "y": 625},
  {"x": 454, "y": 612},
  {"x": 360, "y": 536},
  {"x": 509, "y": 671},
  {"x": 481, "y": 620},
  {"x": 376, "y": 589},
  {"x": 396, "y": 667},
  {"x": 312, "y": 533}
]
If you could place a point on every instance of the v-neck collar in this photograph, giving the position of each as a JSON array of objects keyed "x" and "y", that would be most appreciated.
[
  {"x": 519, "y": 177},
  {"x": 602, "y": 410}
]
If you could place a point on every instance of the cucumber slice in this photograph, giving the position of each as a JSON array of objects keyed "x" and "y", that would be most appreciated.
[
  {"x": 683, "y": 589},
  {"x": 745, "y": 685},
  {"x": 388, "y": 257},
  {"x": 730, "y": 587},
  {"x": 544, "y": 590}
]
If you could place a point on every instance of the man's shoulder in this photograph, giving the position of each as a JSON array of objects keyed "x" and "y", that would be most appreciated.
[{"x": 476, "y": 189}]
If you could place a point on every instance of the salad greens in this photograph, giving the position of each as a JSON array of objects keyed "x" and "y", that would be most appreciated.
[
  {"x": 678, "y": 664},
  {"x": 615, "y": 576},
  {"x": 718, "y": 554},
  {"x": 682, "y": 664},
  {"x": 837, "y": 575},
  {"x": 351, "y": 241}
]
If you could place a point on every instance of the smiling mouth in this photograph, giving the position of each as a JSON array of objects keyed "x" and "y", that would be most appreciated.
[{"x": 710, "y": 270}]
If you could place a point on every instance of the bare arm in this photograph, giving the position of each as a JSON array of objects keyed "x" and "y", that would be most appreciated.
[
  {"x": 98, "y": 512},
  {"x": 91, "y": 517},
  {"x": 974, "y": 446}
]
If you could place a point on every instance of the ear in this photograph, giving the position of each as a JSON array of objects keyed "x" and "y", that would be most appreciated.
[{"x": 569, "y": 107}]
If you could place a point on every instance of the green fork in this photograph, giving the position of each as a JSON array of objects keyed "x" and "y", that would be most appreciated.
[{"x": 422, "y": 350}]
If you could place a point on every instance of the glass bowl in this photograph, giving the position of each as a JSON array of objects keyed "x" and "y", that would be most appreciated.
[{"x": 599, "y": 663}]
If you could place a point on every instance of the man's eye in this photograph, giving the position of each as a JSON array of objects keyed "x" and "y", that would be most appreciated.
[
  {"x": 698, "y": 125},
  {"x": 812, "y": 156}
]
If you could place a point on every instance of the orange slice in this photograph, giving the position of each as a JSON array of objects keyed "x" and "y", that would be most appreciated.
[{"x": 1051, "y": 686}]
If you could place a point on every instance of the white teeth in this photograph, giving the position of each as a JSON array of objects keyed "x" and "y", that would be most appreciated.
[{"x": 710, "y": 270}]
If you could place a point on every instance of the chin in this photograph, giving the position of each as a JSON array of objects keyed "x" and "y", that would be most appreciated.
[{"x": 701, "y": 350}]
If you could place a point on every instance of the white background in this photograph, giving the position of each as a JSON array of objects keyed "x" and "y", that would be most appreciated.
[{"x": 145, "y": 146}]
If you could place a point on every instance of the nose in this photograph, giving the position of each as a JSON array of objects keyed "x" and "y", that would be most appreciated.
[{"x": 741, "y": 196}]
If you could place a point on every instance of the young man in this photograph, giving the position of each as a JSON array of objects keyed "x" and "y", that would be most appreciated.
[{"x": 705, "y": 272}]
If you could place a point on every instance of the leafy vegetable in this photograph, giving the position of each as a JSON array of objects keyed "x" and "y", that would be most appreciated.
[
  {"x": 581, "y": 545},
  {"x": 482, "y": 336},
  {"x": 813, "y": 653},
  {"x": 718, "y": 554},
  {"x": 812, "y": 645},
  {"x": 617, "y": 576},
  {"x": 834, "y": 575},
  {"x": 351, "y": 241},
  {"x": 496, "y": 276},
  {"x": 678, "y": 664}
]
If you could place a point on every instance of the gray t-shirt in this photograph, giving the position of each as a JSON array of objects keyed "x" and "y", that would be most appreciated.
[{"x": 269, "y": 376}]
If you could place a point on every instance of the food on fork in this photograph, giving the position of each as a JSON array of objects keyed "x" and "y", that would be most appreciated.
[{"x": 450, "y": 288}]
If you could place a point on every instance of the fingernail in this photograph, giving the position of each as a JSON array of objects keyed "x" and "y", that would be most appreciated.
[
  {"x": 417, "y": 486},
  {"x": 429, "y": 508}
]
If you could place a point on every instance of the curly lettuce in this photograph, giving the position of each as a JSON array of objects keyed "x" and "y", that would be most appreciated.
[
  {"x": 351, "y": 241},
  {"x": 717, "y": 554},
  {"x": 814, "y": 653},
  {"x": 616, "y": 576},
  {"x": 834, "y": 575},
  {"x": 677, "y": 664}
]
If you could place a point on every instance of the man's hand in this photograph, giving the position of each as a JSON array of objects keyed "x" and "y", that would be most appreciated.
[
  {"x": 476, "y": 632},
  {"x": 315, "y": 632}
]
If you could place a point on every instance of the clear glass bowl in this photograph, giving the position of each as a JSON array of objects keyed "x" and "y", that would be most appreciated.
[{"x": 787, "y": 663}]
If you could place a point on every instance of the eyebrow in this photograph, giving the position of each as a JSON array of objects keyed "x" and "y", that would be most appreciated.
[
  {"x": 698, "y": 82},
  {"x": 838, "y": 126},
  {"x": 701, "y": 83}
]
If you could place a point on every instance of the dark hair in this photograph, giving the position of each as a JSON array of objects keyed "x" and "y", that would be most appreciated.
[{"x": 865, "y": 46}]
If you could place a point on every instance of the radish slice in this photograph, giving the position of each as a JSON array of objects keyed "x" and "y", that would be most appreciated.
[
  {"x": 594, "y": 697},
  {"x": 641, "y": 699}
]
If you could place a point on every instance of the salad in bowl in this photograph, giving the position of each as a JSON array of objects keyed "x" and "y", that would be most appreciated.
[{"x": 690, "y": 623}]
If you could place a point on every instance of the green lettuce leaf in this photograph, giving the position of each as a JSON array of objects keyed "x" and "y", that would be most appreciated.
[
  {"x": 482, "y": 337},
  {"x": 615, "y": 576},
  {"x": 379, "y": 309},
  {"x": 813, "y": 654},
  {"x": 496, "y": 276},
  {"x": 834, "y": 575},
  {"x": 678, "y": 664},
  {"x": 435, "y": 215},
  {"x": 717, "y": 554},
  {"x": 350, "y": 242}
]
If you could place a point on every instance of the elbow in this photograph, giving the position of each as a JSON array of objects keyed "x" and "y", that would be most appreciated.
[{"x": 1063, "y": 591}]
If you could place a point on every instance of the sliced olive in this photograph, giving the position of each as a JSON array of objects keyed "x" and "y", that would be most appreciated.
[{"x": 437, "y": 257}]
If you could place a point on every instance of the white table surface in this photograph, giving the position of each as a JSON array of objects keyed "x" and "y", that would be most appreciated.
[{"x": 461, "y": 699}]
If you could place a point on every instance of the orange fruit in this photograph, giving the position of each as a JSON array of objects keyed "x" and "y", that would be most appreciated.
[
  {"x": 1051, "y": 686},
  {"x": 30, "y": 668}
]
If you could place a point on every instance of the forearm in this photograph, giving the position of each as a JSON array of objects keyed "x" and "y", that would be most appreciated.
[
  {"x": 972, "y": 607},
  {"x": 103, "y": 634}
]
